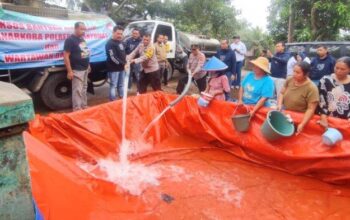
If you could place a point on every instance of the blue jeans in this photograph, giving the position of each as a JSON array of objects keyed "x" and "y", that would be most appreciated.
[
  {"x": 116, "y": 81},
  {"x": 237, "y": 81},
  {"x": 135, "y": 70}
]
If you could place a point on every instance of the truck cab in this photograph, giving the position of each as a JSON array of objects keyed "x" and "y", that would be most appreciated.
[
  {"x": 180, "y": 42},
  {"x": 176, "y": 57},
  {"x": 154, "y": 28}
]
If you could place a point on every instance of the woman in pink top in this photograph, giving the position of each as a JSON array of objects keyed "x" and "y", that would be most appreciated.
[{"x": 217, "y": 85}]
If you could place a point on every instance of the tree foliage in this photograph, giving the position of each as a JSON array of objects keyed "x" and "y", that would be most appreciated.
[
  {"x": 216, "y": 19},
  {"x": 313, "y": 20}
]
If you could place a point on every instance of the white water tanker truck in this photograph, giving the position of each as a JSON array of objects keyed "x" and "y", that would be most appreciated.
[{"x": 31, "y": 55}]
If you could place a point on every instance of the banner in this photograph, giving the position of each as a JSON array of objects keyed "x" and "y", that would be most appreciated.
[{"x": 28, "y": 41}]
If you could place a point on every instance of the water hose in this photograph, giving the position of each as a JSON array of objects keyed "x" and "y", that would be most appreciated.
[
  {"x": 187, "y": 87},
  {"x": 171, "y": 104}
]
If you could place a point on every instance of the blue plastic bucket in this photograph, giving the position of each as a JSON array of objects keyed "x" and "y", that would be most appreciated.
[
  {"x": 202, "y": 102},
  {"x": 332, "y": 136},
  {"x": 277, "y": 126}
]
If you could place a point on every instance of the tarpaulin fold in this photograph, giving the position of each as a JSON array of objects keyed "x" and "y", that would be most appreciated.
[{"x": 210, "y": 170}]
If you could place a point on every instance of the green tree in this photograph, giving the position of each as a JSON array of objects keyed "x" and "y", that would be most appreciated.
[
  {"x": 256, "y": 39},
  {"x": 121, "y": 9},
  {"x": 216, "y": 19},
  {"x": 313, "y": 20},
  {"x": 213, "y": 18}
]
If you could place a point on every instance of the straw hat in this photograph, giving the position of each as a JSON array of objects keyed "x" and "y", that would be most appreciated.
[{"x": 262, "y": 63}]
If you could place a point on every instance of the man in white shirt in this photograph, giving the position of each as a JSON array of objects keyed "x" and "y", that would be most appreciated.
[{"x": 240, "y": 49}]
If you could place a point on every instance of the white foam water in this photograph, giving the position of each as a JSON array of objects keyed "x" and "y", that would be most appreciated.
[
  {"x": 225, "y": 190},
  {"x": 132, "y": 178}
]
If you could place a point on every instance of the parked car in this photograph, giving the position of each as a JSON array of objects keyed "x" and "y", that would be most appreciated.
[{"x": 336, "y": 48}]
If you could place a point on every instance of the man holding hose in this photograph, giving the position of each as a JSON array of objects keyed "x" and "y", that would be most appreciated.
[
  {"x": 194, "y": 65},
  {"x": 150, "y": 68}
]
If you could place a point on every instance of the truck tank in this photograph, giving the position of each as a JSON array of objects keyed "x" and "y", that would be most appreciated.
[{"x": 208, "y": 45}]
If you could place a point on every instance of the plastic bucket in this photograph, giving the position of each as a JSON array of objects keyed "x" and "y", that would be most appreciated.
[
  {"x": 331, "y": 136},
  {"x": 202, "y": 102},
  {"x": 241, "y": 121},
  {"x": 277, "y": 126},
  {"x": 207, "y": 96}
]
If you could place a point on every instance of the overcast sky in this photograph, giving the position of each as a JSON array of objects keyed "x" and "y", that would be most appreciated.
[{"x": 255, "y": 11}]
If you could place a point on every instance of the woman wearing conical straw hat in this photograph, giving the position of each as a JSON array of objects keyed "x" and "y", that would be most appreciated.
[{"x": 218, "y": 83}]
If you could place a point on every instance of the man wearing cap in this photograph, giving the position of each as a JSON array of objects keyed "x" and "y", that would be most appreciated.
[
  {"x": 257, "y": 86},
  {"x": 226, "y": 55},
  {"x": 194, "y": 66},
  {"x": 240, "y": 51}
]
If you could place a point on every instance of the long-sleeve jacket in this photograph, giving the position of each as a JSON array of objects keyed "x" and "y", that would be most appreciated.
[
  {"x": 116, "y": 57},
  {"x": 279, "y": 64},
  {"x": 148, "y": 58},
  {"x": 321, "y": 67},
  {"x": 131, "y": 44},
  {"x": 229, "y": 58},
  {"x": 195, "y": 65}
]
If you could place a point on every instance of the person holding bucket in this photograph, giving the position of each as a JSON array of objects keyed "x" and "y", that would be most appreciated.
[
  {"x": 334, "y": 93},
  {"x": 257, "y": 87},
  {"x": 299, "y": 94},
  {"x": 218, "y": 83}
]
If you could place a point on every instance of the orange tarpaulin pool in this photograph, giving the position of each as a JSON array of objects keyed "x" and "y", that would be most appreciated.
[{"x": 208, "y": 170}]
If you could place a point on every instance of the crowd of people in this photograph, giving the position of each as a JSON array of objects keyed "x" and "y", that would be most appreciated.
[{"x": 284, "y": 80}]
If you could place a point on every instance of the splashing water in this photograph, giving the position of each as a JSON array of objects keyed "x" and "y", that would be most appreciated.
[
  {"x": 133, "y": 178},
  {"x": 123, "y": 155}
]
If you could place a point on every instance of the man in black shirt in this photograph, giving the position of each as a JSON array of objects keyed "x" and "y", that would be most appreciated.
[
  {"x": 76, "y": 59},
  {"x": 116, "y": 60},
  {"x": 135, "y": 69}
]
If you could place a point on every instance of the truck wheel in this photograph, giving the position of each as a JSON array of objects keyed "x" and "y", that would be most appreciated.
[{"x": 56, "y": 93}]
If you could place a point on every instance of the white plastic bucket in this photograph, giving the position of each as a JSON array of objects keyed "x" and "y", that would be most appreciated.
[
  {"x": 331, "y": 136},
  {"x": 202, "y": 102}
]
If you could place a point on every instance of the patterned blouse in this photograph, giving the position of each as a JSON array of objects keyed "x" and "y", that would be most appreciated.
[{"x": 334, "y": 98}]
